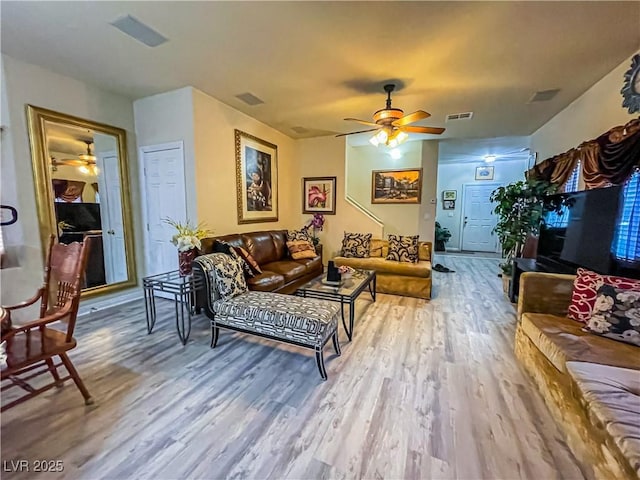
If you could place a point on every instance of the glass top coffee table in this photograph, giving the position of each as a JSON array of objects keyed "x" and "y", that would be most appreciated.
[{"x": 345, "y": 293}]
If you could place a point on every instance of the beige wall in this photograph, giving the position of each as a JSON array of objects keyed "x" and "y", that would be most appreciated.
[
  {"x": 29, "y": 84},
  {"x": 591, "y": 114},
  {"x": 325, "y": 157},
  {"x": 427, "y": 216},
  {"x": 215, "y": 183}
]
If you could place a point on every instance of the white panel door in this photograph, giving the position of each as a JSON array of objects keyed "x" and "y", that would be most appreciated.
[
  {"x": 478, "y": 221},
  {"x": 165, "y": 197}
]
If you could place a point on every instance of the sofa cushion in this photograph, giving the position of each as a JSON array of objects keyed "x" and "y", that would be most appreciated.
[
  {"x": 403, "y": 248},
  {"x": 562, "y": 340},
  {"x": 381, "y": 265},
  {"x": 311, "y": 265},
  {"x": 356, "y": 245},
  {"x": 289, "y": 269},
  {"x": 616, "y": 315},
  {"x": 266, "y": 281},
  {"x": 378, "y": 248},
  {"x": 249, "y": 261},
  {"x": 261, "y": 247},
  {"x": 585, "y": 291},
  {"x": 612, "y": 398}
]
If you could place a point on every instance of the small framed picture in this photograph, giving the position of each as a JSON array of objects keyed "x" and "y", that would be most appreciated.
[
  {"x": 449, "y": 205},
  {"x": 484, "y": 173},
  {"x": 449, "y": 194},
  {"x": 319, "y": 195}
]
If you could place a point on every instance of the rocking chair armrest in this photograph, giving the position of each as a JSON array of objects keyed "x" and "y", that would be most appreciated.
[
  {"x": 26, "y": 303},
  {"x": 41, "y": 322}
]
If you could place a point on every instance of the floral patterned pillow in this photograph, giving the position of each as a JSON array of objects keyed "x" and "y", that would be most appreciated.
[
  {"x": 356, "y": 245},
  {"x": 616, "y": 315},
  {"x": 403, "y": 248},
  {"x": 585, "y": 290}
]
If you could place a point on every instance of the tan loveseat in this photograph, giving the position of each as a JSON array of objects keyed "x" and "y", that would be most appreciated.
[
  {"x": 396, "y": 278},
  {"x": 591, "y": 384}
]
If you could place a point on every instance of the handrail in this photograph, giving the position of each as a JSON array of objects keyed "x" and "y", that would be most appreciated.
[{"x": 364, "y": 211}]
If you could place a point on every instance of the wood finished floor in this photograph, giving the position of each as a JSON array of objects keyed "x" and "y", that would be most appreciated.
[{"x": 425, "y": 390}]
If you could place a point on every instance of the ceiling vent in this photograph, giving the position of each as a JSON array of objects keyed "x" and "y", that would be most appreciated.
[
  {"x": 249, "y": 99},
  {"x": 459, "y": 116},
  {"x": 300, "y": 130},
  {"x": 138, "y": 30},
  {"x": 543, "y": 95}
]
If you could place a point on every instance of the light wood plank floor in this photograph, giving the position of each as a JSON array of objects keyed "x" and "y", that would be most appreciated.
[{"x": 425, "y": 390}]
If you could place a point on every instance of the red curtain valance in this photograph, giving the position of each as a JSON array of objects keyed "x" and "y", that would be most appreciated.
[{"x": 610, "y": 159}]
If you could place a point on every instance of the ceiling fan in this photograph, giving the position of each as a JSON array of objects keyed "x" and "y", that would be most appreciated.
[
  {"x": 392, "y": 125},
  {"x": 85, "y": 161}
]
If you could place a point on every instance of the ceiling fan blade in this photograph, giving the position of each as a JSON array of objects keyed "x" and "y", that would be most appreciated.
[
  {"x": 412, "y": 117},
  {"x": 433, "y": 130},
  {"x": 353, "y": 133},
  {"x": 364, "y": 122}
]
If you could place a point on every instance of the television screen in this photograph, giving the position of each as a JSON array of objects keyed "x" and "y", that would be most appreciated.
[{"x": 585, "y": 231}]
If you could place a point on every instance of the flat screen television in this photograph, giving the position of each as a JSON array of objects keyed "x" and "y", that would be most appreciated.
[{"x": 588, "y": 232}]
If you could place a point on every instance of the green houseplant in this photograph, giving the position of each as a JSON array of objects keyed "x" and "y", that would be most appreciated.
[
  {"x": 442, "y": 236},
  {"x": 520, "y": 207}
]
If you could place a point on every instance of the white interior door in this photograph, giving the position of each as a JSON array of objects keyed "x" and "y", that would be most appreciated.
[
  {"x": 477, "y": 220},
  {"x": 164, "y": 196}
]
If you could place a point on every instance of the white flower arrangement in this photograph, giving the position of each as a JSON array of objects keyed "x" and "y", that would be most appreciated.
[{"x": 188, "y": 236}]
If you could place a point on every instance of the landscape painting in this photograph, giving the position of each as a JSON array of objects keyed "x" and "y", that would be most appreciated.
[{"x": 396, "y": 186}]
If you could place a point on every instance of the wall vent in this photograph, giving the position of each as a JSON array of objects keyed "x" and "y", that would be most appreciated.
[
  {"x": 249, "y": 99},
  {"x": 300, "y": 130},
  {"x": 543, "y": 95},
  {"x": 459, "y": 116},
  {"x": 138, "y": 30}
]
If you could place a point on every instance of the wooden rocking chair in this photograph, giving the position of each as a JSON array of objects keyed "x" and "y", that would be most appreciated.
[{"x": 32, "y": 347}]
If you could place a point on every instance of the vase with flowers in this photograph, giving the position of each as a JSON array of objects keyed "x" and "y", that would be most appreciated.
[
  {"x": 313, "y": 226},
  {"x": 188, "y": 242}
]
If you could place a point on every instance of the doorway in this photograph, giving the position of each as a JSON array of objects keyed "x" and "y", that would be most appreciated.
[
  {"x": 478, "y": 221},
  {"x": 164, "y": 196}
]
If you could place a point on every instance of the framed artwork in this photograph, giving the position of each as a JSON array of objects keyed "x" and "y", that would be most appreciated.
[
  {"x": 449, "y": 205},
  {"x": 319, "y": 195},
  {"x": 449, "y": 194},
  {"x": 396, "y": 186},
  {"x": 484, "y": 173},
  {"x": 256, "y": 179}
]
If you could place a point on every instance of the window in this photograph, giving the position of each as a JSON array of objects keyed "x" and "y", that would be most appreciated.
[
  {"x": 572, "y": 182},
  {"x": 627, "y": 242}
]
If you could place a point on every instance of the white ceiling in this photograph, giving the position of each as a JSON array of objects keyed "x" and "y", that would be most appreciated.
[{"x": 314, "y": 63}]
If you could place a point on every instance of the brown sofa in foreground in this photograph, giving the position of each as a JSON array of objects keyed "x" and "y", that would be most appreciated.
[
  {"x": 280, "y": 273},
  {"x": 396, "y": 278},
  {"x": 591, "y": 384}
]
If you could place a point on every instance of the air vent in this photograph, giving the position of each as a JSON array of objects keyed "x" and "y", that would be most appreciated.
[
  {"x": 249, "y": 99},
  {"x": 459, "y": 116},
  {"x": 138, "y": 30},
  {"x": 300, "y": 130},
  {"x": 543, "y": 95}
]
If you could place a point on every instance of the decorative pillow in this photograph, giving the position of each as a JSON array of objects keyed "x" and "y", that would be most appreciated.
[
  {"x": 299, "y": 249},
  {"x": 230, "y": 280},
  {"x": 585, "y": 290},
  {"x": 403, "y": 248},
  {"x": 616, "y": 315},
  {"x": 220, "y": 246},
  {"x": 356, "y": 245},
  {"x": 250, "y": 265},
  {"x": 293, "y": 235}
]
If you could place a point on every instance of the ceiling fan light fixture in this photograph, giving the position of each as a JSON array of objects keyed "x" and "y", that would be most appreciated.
[
  {"x": 381, "y": 136},
  {"x": 87, "y": 157}
]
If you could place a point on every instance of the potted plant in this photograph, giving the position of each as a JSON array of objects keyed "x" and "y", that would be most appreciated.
[
  {"x": 188, "y": 242},
  {"x": 442, "y": 236},
  {"x": 520, "y": 207}
]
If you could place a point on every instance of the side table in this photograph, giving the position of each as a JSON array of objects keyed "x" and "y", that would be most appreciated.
[{"x": 183, "y": 290}]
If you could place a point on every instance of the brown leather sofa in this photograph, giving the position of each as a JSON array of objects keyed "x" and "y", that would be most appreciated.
[
  {"x": 591, "y": 384},
  {"x": 280, "y": 273}
]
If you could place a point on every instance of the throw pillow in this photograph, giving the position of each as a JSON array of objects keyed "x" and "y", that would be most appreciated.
[
  {"x": 356, "y": 245},
  {"x": 403, "y": 248},
  {"x": 220, "y": 246},
  {"x": 250, "y": 265},
  {"x": 299, "y": 249},
  {"x": 585, "y": 290},
  {"x": 229, "y": 275},
  {"x": 616, "y": 315},
  {"x": 293, "y": 235}
]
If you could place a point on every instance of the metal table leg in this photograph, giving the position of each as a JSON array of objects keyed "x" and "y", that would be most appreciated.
[
  {"x": 344, "y": 324},
  {"x": 183, "y": 326},
  {"x": 150, "y": 308}
]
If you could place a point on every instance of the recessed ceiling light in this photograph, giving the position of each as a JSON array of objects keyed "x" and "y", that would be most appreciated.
[
  {"x": 490, "y": 158},
  {"x": 138, "y": 30}
]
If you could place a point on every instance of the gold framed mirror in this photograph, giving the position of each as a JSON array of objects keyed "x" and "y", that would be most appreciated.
[{"x": 80, "y": 170}]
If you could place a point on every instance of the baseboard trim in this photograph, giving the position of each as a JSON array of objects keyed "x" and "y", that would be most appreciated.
[{"x": 91, "y": 306}]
